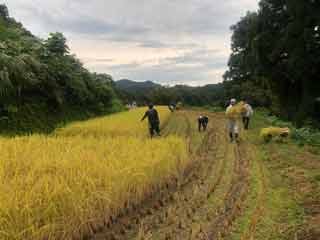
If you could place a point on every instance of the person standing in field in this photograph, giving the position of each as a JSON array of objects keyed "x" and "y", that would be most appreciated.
[
  {"x": 154, "y": 121},
  {"x": 246, "y": 115},
  {"x": 232, "y": 122},
  {"x": 203, "y": 122}
]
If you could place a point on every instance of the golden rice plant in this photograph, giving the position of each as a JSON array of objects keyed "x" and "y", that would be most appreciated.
[
  {"x": 121, "y": 124},
  {"x": 57, "y": 187}
]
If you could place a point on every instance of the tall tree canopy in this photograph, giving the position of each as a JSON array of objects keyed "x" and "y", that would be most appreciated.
[
  {"x": 277, "y": 49},
  {"x": 57, "y": 44},
  {"x": 4, "y": 13}
]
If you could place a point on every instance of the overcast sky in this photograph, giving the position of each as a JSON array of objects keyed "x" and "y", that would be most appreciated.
[{"x": 167, "y": 41}]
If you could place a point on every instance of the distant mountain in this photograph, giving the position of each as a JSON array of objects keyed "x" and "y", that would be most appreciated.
[
  {"x": 136, "y": 87},
  {"x": 145, "y": 92}
]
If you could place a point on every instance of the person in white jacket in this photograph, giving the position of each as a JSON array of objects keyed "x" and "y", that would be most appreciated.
[
  {"x": 233, "y": 128},
  {"x": 247, "y": 115}
]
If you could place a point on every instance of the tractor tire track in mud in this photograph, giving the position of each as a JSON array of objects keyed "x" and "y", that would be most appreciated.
[{"x": 201, "y": 205}]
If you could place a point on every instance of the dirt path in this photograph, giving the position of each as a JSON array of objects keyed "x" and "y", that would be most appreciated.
[{"x": 202, "y": 205}]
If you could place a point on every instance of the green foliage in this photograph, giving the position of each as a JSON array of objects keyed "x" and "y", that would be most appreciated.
[
  {"x": 11, "y": 109},
  {"x": 210, "y": 95},
  {"x": 36, "y": 75},
  {"x": 306, "y": 136},
  {"x": 275, "y": 121},
  {"x": 117, "y": 106},
  {"x": 275, "y": 53},
  {"x": 302, "y": 136},
  {"x": 5, "y": 83},
  {"x": 57, "y": 44},
  {"x": 4, "y": 13}
]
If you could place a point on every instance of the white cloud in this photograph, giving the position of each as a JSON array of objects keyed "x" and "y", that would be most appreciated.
[{"x": 169, "y": 41}]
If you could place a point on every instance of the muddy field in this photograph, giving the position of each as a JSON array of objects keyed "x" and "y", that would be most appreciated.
[{"x": 231, "y": 191}]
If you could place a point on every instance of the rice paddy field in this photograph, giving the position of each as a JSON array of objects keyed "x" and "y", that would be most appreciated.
[
  {"x": 56, "y": 187},
  {"x": 125, "y": 124},
  {"x": 105, "y": 179}
]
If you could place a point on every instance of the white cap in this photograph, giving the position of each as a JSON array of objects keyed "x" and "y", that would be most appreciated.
[{"x": 233, "y": 100}]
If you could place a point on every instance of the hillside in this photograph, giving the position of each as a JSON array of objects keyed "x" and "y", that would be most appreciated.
[
  {"x": 136, "y": 87},
  {"x": 42, "y": 85},
  {"x": 142, "y": 92}
]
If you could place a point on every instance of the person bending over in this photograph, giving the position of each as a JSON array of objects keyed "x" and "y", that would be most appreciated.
[{"x": 203, "y": 123}]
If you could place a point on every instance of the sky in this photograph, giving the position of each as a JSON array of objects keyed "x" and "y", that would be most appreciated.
[{"x": 165, "y": 41}]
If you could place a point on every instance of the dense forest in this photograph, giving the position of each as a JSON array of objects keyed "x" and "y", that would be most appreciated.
[
  {"x": 42, "y": 84},
  {"x": 275, "y": 55}
]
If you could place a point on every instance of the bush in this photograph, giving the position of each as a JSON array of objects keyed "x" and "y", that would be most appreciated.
[
  {"x": 302, "y": 136},
  {"x": 275, "y": 121},
  {"x": 306, "y": 136}
]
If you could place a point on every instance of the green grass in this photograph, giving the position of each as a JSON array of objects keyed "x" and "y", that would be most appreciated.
[
  {"x": 283, "y": 215},
  {"x": 283, "y": 165},
  {"x": 243, "y": 223}
]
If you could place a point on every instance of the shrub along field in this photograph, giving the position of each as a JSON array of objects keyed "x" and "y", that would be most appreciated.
[{"x": 54, "y": 187}]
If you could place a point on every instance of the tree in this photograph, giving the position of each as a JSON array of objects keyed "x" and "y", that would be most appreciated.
[
  {"x": 5, "y": 83},
  {"x": 40, "y": 78},
  {"x": 276, "y": 50},
  {"x": 4, "y": 13},
  {"x": 57, "y": 44}
]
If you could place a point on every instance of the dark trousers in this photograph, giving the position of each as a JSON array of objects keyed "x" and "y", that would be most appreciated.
[
  {"x": 246, "y": 121},
  {"x": 154, "y": 128},
  {"x": 202, "y": 125}
]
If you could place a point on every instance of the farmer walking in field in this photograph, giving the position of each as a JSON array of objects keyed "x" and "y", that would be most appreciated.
[
  {"x": 203, "y": 122},
  {"x": 153, "y": 118},
  {"x": 246, "y": 115},
  {"x": 232, "y": 121}
]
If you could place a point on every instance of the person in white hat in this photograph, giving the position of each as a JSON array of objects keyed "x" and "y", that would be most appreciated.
[{"x": 232, "y": 123}]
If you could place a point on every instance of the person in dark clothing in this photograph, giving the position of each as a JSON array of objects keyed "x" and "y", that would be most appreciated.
[
  {"x": 154, "y": 122},
  {"x": 203, "y": 123},
  {"x": 171, "y": 108}
]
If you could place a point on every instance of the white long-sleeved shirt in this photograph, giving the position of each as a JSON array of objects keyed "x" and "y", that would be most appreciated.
[{"x": 249, "y": 111}]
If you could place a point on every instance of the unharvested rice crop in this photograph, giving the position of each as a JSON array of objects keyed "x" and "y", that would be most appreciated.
[
  {"x": 122, "y": 124},
  {"x": 59, "y": 187}
]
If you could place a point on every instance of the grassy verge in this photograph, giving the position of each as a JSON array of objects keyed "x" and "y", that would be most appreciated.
[{"x": 292, "y": 186}]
